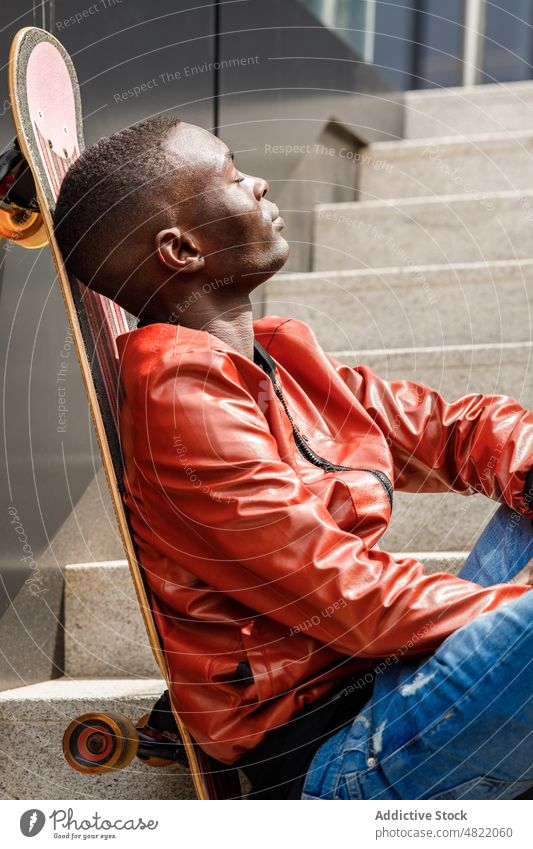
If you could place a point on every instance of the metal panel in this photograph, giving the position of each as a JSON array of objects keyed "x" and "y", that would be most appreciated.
[
  {"x": 136, "y": 59},
  {"x": 296, "y": 103}
]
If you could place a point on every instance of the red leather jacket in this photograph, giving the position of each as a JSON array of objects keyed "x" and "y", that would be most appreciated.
[{"x": 268, "y": 584}]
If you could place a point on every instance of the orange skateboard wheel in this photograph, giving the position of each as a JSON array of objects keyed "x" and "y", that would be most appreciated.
[
  {"x": 100, "y": 742},
  {"x": 23, "y": 227}
]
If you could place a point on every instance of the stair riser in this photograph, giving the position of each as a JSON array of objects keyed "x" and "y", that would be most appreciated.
[
  {"x": 482, "y": 109},
  {"x": 447, "y": 169},
  {"x": 436, "y": 521},
  {"x": 410, "y": 308},
  {"x": 104, "y": 630},
  {"x": 470, "y": 229}
]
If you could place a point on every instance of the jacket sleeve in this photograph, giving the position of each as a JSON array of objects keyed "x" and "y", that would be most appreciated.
[
  {"x": 478, "y": 443},
  {"x": 220, "y": 500}
]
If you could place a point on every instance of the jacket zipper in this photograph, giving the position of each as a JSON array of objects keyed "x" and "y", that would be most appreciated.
[{"x": 302, "y": 443}]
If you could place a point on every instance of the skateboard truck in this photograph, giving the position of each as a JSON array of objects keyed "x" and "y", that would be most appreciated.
[
  {"x": 159, "y": 738},
  {"x": 20, "y": 218},
  {"x": 100, "y": 742}
]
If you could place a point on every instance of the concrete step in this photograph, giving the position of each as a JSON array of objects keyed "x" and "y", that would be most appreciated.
[
  {"x": 33, "y": 720},
  {"x": 469, "y": 110},
  {"x": 435, "y": 522},
  {"x": 97, "y": 649},
  {"x": 421, "y": 231},
  {"x": 414, "y": 306},
  {"x": 447, "y": 521},
  {"x": 105, "y": 635},
  {"x": 445, "y": 166}
]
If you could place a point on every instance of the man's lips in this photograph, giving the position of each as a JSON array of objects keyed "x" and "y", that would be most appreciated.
[{"x": 277, "y": 220}]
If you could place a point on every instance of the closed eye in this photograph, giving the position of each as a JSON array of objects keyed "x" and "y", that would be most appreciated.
[{"x": 239, "y": 180}]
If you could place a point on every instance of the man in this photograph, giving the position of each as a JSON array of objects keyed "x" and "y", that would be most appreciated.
[{"x": 259, "y": 477}]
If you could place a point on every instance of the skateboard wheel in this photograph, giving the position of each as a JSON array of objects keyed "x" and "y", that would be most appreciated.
[
  {"x": 22, "y": 227},
  {"x": 100, "y": 742}
]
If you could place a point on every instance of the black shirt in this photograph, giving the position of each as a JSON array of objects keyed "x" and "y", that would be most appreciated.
[{"x": 277, "y": 767}]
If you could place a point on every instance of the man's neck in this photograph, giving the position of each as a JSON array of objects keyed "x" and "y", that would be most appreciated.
[
  {"x": 234, "y": 327},
  {"x": 228, "y": 319}
]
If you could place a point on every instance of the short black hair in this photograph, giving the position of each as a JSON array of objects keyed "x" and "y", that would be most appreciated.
[{"x": 106, "y": 195}]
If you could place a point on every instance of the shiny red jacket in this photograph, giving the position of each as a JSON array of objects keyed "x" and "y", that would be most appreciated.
[{"x": 268, "y": 583}]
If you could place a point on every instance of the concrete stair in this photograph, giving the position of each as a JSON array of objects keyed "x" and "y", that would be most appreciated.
[
  {"x": 439, "y": 521},
  {"x": 33, "y": 720},
  {"x": 469, "y": 110},
  {"x": 105, "y": 635},
  {"x": 491, "y": 162},
  {"x": 474, "y": 227},
  {"x": 411, "y": 306}
]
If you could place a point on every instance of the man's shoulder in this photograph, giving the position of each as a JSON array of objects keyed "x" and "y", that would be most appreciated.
[
  {"x": 161, "y": 341},
  {"x": 156, "y": 354},
  {"x": 157, "y": 351},
  {"x": 274, "y": 332}
]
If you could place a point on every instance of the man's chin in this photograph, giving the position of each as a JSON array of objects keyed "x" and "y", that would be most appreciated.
[
  {"x": 274, "y": 260},
  {"x": 280, "y": 252},
  {"x": 256, "y": 269}
]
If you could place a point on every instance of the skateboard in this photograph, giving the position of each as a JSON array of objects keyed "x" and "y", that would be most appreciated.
[{"x": 46, "y": 108}]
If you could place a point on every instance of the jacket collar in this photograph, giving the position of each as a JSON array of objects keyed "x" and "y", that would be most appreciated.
[{"x": 261, "y": 357}]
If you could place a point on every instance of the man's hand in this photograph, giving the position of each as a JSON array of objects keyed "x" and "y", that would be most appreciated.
[{"x": 525, "y": 576}]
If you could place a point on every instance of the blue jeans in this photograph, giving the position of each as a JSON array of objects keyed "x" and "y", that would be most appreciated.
[{"x": 456, "y": 724}]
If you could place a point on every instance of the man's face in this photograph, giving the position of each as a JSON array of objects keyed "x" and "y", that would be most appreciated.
[{"x": 236, "y": 228}]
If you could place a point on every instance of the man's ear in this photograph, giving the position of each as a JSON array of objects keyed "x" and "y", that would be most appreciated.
[{"x": 178, "y": 251}]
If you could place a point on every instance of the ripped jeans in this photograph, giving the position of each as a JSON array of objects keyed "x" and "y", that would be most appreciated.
[{"x": 456, "y": 724}]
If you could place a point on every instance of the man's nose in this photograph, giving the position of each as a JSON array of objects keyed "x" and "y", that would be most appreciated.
[{"x": 260, "y": 187}]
